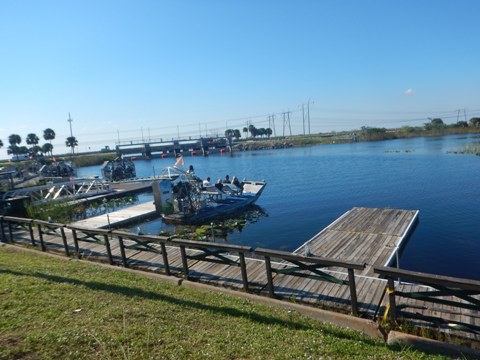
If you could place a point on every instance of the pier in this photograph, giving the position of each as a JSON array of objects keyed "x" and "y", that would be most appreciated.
[{"x": 346, "y": 267}]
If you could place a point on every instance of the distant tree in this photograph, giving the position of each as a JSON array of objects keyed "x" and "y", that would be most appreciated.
[
  {"x": 371, "y": 134},
  {"x": 229, "y": 133},
  {"x": 474, "y": 122},
  {"x": 245, "y": 131},
  {"x": 269, "y": 132},
  {"x": 237, "y": 134},
  {"x": 1, "y": 143},
  {"x": 461, "y": 124},
  {"x": 253, "y": 131},
  {"x": 48, "y": 135},
  {"x": 71, "y": 142},
  {"x": 435, "y": 124},
  {"x": 33, "y": 139},
  {"x": 47, "y": 148},
  {"x": 262, "y": 132},
  {"x": 14, "y": 141}
]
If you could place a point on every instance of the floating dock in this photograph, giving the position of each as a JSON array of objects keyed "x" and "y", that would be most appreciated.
[
  {"x": 365, "y": 235},
  {"x": 128, "y": 215}
]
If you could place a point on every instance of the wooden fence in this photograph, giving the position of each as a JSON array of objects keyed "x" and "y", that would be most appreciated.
[{"x": 443, "y": 292}]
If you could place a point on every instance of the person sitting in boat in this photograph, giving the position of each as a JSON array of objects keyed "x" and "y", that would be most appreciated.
[
  {"x": 206, "y": 182},
  {"x": 219, "y": 185},
  {"x": 236, "y": 182},
  {"x": 190, "y": 170},
  {"x": 227, "y": 179}
]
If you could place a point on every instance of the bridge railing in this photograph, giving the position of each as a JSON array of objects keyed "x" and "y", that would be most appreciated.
[
  {"x": 309, "y": 267},
  {"x": 463, "y": 294}
]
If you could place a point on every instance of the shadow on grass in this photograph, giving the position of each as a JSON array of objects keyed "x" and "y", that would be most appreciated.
[{"x": 150, "y": 295}]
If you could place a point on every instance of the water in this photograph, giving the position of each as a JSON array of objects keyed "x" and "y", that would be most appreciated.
[{"x": 308, "y": 188}]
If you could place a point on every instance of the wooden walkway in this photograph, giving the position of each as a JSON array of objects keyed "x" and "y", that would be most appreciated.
[
  {"x": 118, "y": 218},
  {"x": 362, "y": 235}
]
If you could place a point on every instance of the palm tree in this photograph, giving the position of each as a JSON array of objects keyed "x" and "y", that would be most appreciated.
[
  {"x": 49, "y": 134},
  {"x": 245, "y": 131},
  {"x": 33, "y": 139},
  {"x": 71, "y": 142},
  {"x": 268, "y": 132},
  {"x": 14, "y": 140},
  {"x": 47, "y": 148},
  {"x": 237, "y": 134},
  {"x": 253, "y": 130},
  {"x": 1, "y": 143}
]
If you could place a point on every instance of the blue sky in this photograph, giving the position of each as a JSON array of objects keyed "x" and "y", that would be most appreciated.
[{"x": 159, "y": 69}]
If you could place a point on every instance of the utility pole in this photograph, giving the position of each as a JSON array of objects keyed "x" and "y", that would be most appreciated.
[
  {"x": 71, "y": 133},
  {"x": 308, "y": 115},
  {"x": 303, "y": 118},
  {"x": 465, "y": 114},
  {"x": 286, "y": 122}
]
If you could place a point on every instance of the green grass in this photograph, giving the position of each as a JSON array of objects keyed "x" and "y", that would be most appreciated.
[{"x": 54, "y": 308}]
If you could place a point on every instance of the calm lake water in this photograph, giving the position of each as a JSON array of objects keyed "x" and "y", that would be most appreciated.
[{"x": 308, "y": 188}]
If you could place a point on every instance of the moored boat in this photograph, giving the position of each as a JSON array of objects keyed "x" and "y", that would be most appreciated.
[{"x": 185, "y": 200}]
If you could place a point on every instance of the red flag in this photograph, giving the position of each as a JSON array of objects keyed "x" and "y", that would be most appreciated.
[{"x": 180, "y": 161}]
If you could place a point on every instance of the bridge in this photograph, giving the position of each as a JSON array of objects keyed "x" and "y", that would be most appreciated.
[{"x": 192, "y": 147}]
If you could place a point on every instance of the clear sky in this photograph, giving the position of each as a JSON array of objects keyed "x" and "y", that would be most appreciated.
[{"x": 163, "y": 69}]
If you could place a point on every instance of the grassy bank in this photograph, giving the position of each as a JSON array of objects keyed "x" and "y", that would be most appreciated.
[{"x": 53, "y": 308}]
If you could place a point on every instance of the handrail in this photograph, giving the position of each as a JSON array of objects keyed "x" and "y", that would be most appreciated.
[
  {"x": 300, "y": 264},
  {"x": 429, "y": 279},
  {"x": 312, "y": 259},
  {"x": 460, "y": 291}
]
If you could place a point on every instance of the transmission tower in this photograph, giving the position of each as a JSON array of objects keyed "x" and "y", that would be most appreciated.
[
  {"x": 286, "y": 122},
  {"x": 271, "y": 123}
]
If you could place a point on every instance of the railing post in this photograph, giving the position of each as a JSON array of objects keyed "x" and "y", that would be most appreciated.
[
  {"x": 122, "y": 251},
  {"x": 184, "y": 260},
  {"x": 165, "y": 258},
  {"x": 243, "y": 268},
  {"x": 107, "y": 247},
  {"x": 75, "y": 242},
  {"x": 268, "y": 267},
  {"x": 10, "y": 232},
  {"x": 40, "y": 236},
  {"x": 353, "y": 291},
  {"x": 30, "y": 230},
  {"x": 391, "y": 299},
  {"x": 64, "y": 239},
  {"x": 4, "y": 237}
]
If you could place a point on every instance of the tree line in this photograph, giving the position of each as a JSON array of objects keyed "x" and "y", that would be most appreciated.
[
  {"x": 254, "y": 132},
  {"x": 33, "y": 140}
]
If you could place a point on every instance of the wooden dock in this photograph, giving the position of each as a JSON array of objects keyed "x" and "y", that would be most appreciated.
[
  {"x": 128, "y": 215},
  {"x": 360, "y": 236},
  {"x": 365, "y": 235}
]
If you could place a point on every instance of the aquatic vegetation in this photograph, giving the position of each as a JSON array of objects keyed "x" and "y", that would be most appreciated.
[
  {"x": 220, "y": 228},
  {"x": 473, "y": 149}
]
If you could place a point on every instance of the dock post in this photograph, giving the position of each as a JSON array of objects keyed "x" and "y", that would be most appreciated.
[
  {"x": 165, "y": 258},
  {"x": 107, "y": 247},
  {"x": 75, "y": 241},
  {"x": 40, "y": 236},
  {"x": 64, "y": 239},
  {"x": 30, "y": 230},
  {"x": 157, "y": 199},
  {"x": 4, "y": 238},
  {"x": 391, "y": 299},
  {"x": 353, "y": 291},
  {"x": 122, "y": 251},
  {"x": 243, "y": 268},
  {"x": 10, "y": 232},
  {"x": 184, "y": 260},
  {"x": 268, "y": 267}
]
